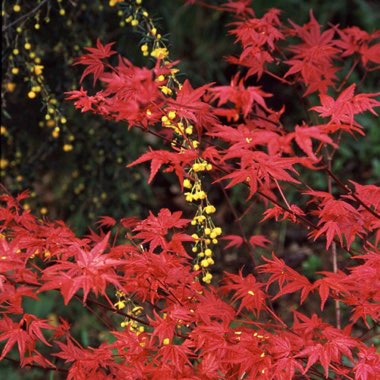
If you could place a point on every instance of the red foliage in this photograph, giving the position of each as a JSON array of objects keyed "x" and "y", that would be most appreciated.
[{"x": 174, "y": 325}]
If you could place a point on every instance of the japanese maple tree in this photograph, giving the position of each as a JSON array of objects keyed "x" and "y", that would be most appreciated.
[{"x": 151, "y": 282}]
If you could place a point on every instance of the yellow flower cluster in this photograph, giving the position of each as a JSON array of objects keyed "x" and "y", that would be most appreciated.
[
  {"x": 207, "y": 233},
  {"x": 126, "y": 303},
  {"x": 112, "y": 3}
]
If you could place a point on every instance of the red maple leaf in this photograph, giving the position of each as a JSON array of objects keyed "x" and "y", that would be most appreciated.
[
  {"x": 304, "y": 135},
  {"x": 346, "y": 106},
  {"x": 91, "y": 270},
  {"x": 247, "y": 290},
  {"x": 155, "y": 228},
  {"x": 93, "y": 60},
  {"x": 175, "y": 161},
  {"x": 25, "y": 333}
]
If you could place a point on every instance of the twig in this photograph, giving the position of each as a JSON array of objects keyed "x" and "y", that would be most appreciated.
[
  {"x": 333, "y": 244},
  {"x": 34, "y": 10},
  {"x": 348, "y": 191},
  {"x": 37, "y": 366}
]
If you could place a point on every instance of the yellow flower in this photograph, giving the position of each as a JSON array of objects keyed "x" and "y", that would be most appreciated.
[
  {"x": 159, "y": 53},
  {"x": 187, "y": 184},
  {"x": 38, "y": 69},
  {"x": 3, "y": 163},
  {"x": 166, "y": 90},
  {"x": 10, "y": 86},
  {"x": 172, "y": 115},
  {"x": 120, "y": 304}
]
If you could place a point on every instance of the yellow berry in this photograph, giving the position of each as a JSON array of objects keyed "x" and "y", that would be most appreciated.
[
  {"x": 27, "y": 46},
  {"x": 134, "y": 22},
  {"x": 195, "y": 236},
  {"x": 196, "y": 267},
  {"x": 153, "y": 31},
  {"x": 189, "y": 130},
  {"x": 15, "y": 70},
  {"x": 15, "y": 51},
  {"x": 43, "y": 210},
  {"x": 208, "y": 252},
  {"x": 67, "y": 147},
  {"x": 31, "y": 94},
  {"x": 63, "y": 120},
  {"x": 16, "y": 8},
  {"x": 62, "y": 12},
  {"x": 144, "y": 48},
  {"x": 166, "y": 341},
  {"x": 37, "y": 26}
]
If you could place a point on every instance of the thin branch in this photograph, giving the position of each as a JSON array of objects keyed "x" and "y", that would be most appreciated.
[
  {"x": 237, "y": 220},
  {"x": 333, "y": 245},
  {"x": 348, "y": 191},
  {"x": 37, "y": 366},
  {"x": 34, "y": 10}
]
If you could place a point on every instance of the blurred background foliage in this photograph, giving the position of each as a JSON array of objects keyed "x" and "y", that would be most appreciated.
[{"x": 74, "y": 164}]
